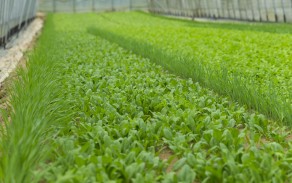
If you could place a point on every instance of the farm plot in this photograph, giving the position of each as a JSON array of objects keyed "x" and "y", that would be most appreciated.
[
  {"x": 89, "y": 111},
  {"x": 251, "y": 63}
]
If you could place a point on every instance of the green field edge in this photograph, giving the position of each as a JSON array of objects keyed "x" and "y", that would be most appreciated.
[{"x": 233, "y": 85}]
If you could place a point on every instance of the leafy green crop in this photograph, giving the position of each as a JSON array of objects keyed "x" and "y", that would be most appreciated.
[
  {"x": 112, "y": 116},
  {"x": 250, "y": 66}
]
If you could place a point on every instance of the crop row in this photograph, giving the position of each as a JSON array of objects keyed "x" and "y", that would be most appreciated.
[
  {"x": 251, "y": 66},
  {"x": 86, "y": 110}
]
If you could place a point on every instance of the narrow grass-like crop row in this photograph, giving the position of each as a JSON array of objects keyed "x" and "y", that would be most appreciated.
[
  {"x": 36, "y": 109},
  {"x": 86, "y": 110},
  {"x": 251, "y": 66}
]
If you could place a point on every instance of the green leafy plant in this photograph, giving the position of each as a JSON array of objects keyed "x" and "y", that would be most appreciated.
[{"x": 252, "y": 67}]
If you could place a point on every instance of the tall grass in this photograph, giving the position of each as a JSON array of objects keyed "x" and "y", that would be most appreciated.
[
  {"x": 36, "y": 108},
  {"x": 238, "y": 88}
]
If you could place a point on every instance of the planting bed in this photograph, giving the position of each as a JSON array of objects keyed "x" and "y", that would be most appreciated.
[
  {"x": 251, "y": 61},
  {"x": 88, "y": 110}
]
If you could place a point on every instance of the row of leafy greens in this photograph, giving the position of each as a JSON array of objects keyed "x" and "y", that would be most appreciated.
[{"x": 252, "y": 65}]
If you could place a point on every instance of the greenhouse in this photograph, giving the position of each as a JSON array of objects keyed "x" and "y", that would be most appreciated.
[{"x": 145, "y": 91}]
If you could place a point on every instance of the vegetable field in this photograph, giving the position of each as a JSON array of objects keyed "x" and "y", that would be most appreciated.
[
  {"x": 252, "y": 62},
  {"x": 109, "y": 98}
]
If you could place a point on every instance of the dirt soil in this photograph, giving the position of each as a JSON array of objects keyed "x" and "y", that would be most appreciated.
[{"x": 168, "y": 156}]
